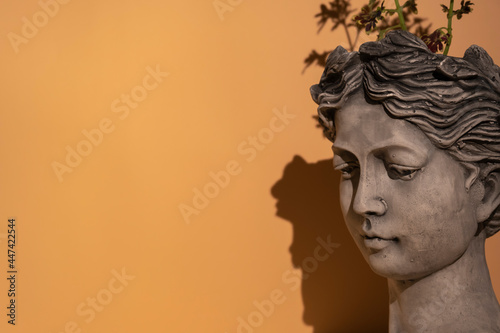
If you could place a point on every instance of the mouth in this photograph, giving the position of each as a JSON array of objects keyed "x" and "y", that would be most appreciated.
[
  {"x": 378, "y": 243},
  {"x": 380, "y": 238}
]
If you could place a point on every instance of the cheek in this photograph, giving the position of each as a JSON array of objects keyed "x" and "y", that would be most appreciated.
[{"x": 436, "y": 211}]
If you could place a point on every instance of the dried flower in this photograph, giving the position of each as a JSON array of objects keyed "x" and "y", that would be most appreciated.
[
  {"x": 369, "y": 16},
  {"x": 436, "y": 40},
  {"x": 464, "y": 9},
  {"x": 376, "y": 17}
]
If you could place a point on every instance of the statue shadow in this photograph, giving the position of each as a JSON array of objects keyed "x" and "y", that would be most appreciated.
[{"x": 340, "y": 294}]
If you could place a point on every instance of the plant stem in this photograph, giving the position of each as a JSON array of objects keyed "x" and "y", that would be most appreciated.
[
  {"x": 383, "y": 32},
  {"x": 450, "y": 33},
  {"x": 399, "y": 10}
]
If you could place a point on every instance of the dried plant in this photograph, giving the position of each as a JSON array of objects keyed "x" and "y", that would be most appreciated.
[{"x": 375, "y": 17}]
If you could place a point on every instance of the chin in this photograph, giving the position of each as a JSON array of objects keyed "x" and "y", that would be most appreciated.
[{"x": 393, "y": 267}]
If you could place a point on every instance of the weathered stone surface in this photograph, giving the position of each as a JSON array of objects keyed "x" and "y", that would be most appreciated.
[{"x": 416, "y": 137}]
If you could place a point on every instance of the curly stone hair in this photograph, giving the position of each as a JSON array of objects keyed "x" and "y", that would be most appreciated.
[{"x": 454, "y": 101}]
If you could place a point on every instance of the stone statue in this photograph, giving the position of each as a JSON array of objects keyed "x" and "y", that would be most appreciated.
[{"x": 416, "y": 137}]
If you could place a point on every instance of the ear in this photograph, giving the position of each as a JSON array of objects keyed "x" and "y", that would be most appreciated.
[
  {"x": 491, "y": 196},
  {"x": 472, "y": 172}
]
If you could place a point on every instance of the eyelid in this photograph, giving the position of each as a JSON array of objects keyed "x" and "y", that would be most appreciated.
[
  {"x": 403, "y": 172},
  {"x": 403, "y": 166},
  {"x": 347, "y": 169},
  {"x": 344, "y": 165},
  {"x": 340, "y": 166}
]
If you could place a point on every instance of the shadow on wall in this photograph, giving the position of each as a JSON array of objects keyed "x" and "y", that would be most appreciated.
[{"x": 341, "y": 293}]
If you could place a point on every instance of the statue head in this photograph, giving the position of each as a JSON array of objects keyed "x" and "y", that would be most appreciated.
[{"x": 416, "y": 136}]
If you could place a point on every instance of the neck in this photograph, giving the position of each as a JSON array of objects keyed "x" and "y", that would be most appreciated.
[{"x": 458, "y": 298}]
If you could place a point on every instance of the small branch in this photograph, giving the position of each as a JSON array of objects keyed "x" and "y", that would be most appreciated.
[
  {"x": 383, "y": 32},
  {"x": 399, "y": 10},
  {"x": 450, "y": 30}
]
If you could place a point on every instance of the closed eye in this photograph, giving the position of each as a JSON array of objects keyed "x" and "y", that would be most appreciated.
[
  {"x": 347, "y": 169},
  {"x": 402, "y": 172}
]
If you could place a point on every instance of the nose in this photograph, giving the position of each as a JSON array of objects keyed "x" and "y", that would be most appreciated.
[{"x": 367, "y": 198}]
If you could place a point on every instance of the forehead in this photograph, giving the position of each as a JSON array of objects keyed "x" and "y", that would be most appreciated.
[{"x": 361, "y": 126}]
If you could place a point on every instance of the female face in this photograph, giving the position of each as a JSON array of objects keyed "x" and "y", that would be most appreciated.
[{"x": 405, "y": 201}]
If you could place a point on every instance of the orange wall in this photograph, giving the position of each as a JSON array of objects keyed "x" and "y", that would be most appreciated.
[{"x": 118, "y": 208}]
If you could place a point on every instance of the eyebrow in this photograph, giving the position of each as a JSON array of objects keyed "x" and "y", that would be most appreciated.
[
  {"x": 407, "y": 148},
  {"x": 344, "y": 145}
]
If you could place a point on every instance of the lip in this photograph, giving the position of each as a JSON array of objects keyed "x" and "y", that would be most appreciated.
[{"x": 378, "y": 243}]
